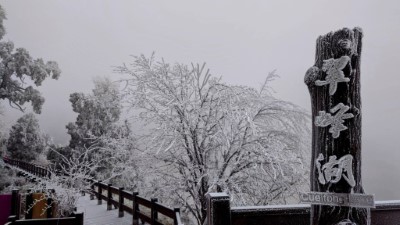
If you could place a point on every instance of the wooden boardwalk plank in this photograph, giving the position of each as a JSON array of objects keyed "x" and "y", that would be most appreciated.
[{"x": 99, "y": 215}]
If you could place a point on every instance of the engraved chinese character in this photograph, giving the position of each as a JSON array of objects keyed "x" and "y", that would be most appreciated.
[
  {"x": 325, "y": 119},
  {"x": 333, "y": 69},
  {"x": 335, "y": 169}
]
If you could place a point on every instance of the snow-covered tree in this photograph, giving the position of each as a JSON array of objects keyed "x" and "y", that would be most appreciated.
[
  {"x": 70, "y": 175},
  {"x": 98, "y": 113},
  {"x": 25, "y": 140},
  {"x": 98, "y": 127},
  {"x": 56, "y": 154},
  {"x": 18, "y": 69},
  {"x": 209, "y": 136}
]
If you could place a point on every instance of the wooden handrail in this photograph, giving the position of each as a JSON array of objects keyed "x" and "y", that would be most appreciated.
[
  {"x": 154, "y": 206},
  {"x": 76, "y": 219},
  {"x": 97, "y": 188}
]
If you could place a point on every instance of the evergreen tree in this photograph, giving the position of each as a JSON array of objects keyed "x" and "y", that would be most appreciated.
[
  {"x": 98, "y": 114},
  {"x": 25, "y": 141},
  {"x": 97, "y": 129},
  {"x": 17, "y": 66}
]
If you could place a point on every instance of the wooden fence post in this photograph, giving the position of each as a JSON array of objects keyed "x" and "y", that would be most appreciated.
[
  {"x": 99, "y": 199},
  {"x": 28, "y": 204},
  {"x": 177, "y": 211},
  {"x": 92, "y": 191},
  {"x": 218, "y": 209},
  {"x": 120, "y": 202},
  {"x": 79, "y": 218},
  {"x": 50, "y": 204},
  {"x": 334, "y": 86},
  {"x": 109, "y": 197},
  {"x": 154, "y": 214},
  {"x": 15, "y": 203},
  {"x": 135, "y": 207}
]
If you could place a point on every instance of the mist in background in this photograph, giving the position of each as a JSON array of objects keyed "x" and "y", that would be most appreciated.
[{"x": 239, "y": 40}]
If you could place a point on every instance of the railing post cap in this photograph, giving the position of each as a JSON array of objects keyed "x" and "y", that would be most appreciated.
[{"x": 218, "y": 195}]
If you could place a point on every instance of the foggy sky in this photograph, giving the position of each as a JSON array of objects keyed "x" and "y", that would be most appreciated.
[{"x": 239, "y": 40}]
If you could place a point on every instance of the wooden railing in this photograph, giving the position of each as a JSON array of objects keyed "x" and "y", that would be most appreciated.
[
  {"x": 34, "y": 169},
  {"x": 149, "y": 211},
  {"x": 75, "y": 219},
  {"x": 13, "y": 219}
]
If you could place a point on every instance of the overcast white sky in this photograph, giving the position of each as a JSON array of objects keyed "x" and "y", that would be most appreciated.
[{"x": 239, "y": 40}]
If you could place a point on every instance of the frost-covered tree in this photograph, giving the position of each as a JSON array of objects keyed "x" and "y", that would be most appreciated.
[
  {"x": 69, "y": 177},
  {"x": 56, "y": 154},
  {"x": 209, "y": 136},
  {"x": 18, "y": 69},
  {"x": 98, "y": 113},
  {"x": 25, "y": 140},
  {"x": 98, "y": 127}
]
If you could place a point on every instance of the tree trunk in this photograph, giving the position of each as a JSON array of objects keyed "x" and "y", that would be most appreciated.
[{"x": 324, "y": 97}]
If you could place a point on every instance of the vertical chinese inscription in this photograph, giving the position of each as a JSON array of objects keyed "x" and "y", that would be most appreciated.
[{"x": 334, "y": 86}]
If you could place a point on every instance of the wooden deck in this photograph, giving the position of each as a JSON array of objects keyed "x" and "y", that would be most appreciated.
[{"x": 99, "y": 215}]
